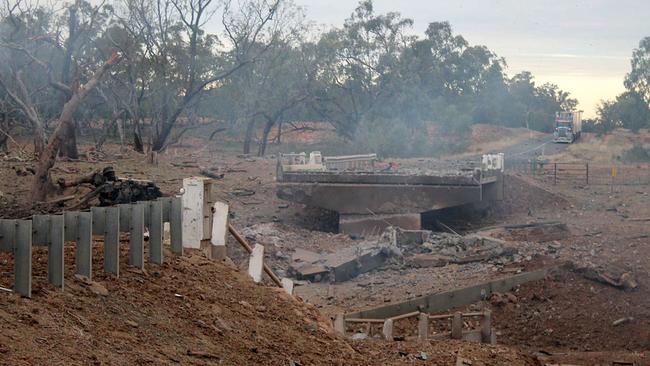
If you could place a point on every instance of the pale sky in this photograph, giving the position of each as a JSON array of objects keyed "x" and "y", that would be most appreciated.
[{"x": 582, "y": 46}]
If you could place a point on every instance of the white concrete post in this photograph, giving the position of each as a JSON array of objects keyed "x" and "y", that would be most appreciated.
[
  {"x": 193, "y": 198},
  {"x": 256, "y": 263},
  {"x": 388, "y": 329},
  {"x": 219, "y": 230},
  {"x": 287, "y": 285},
  {"x": 339, "y": 324}
]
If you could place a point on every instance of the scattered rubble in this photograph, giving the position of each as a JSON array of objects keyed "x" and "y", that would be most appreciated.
[
  {"x": 419, "y": 248},
  {"x": 442, "y": 249},
  {"x": 536, "y": 231},
  {"x": 111, "y": 190}
]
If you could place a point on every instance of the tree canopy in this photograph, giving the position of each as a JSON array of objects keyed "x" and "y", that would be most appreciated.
[{"x": 254, "y": 65}]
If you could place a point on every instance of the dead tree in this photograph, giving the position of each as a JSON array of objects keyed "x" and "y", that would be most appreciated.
[{"x": 42, "y": 180}]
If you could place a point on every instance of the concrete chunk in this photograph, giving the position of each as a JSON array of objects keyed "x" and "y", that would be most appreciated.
[
  {"x": 306, "y": 256},
  {"x": 431, "y": 260}
]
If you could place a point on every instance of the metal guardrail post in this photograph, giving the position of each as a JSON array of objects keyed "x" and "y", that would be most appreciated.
[
  {"x": 23, "y": 257},
  {"x": 176, "y": 226},
  {"x": 112, "y": 241},
  {"x": 155, "y": 225},
  {"x": 136, "y": 238}
]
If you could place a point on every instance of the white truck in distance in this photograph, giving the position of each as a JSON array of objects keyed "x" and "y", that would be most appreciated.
[{"x": 568, "y": 126}]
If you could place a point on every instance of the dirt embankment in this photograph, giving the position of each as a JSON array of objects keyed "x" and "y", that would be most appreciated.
[
  {"x": 569, "y": 312},
  {"x": 190, "y": 311}
]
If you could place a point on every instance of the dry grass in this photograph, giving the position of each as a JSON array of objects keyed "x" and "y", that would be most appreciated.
[{"x": 602, "y": 149}]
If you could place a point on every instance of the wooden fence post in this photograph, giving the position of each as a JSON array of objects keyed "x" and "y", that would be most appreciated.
[
  {"x": 457, "y": 326},
  {"x": 423, "y": 326},
  {"x": 486, "y": 327}
]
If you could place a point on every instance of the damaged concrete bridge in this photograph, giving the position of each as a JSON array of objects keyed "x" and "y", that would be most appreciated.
[{"x": 368, "y": 198}]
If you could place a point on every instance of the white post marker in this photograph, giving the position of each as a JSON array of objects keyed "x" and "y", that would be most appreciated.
[
  {"x": 193, "y": 198},
  {"x": 287, "y": 285},
  {"x": 256, "y": 263},
  {"x": 219, "y": 230},
  {"x": 388, "y": 329}
]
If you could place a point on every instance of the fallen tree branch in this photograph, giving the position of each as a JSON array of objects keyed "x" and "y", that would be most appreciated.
[
  {"x": 61, "y": 200},
  {"x": 208, "y": 172}
]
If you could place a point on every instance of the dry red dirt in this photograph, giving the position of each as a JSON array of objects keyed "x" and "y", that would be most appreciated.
[
  {"x": 569, "y": 312},
  {"x": 223, "y": 318},
  {"x": 191, "y": 311}
]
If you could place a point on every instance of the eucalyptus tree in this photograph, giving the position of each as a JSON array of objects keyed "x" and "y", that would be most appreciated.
[
  {"x": 638, "y": 79},
  {"x": 356, "y": 63},
  {"x": 185, "y": 59}
]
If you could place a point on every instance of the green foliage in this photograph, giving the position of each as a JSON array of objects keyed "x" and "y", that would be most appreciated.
[
  {"x": 638, "y": 80},
  {"x": 382, "y": 88},
  {"x": 629, "y": 110}
]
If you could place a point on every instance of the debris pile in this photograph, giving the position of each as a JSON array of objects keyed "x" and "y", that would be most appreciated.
[
  {"x": 111, "y": 190},
  {"x": 417, "y": 248},
  {"x": 441, "y": 249}
]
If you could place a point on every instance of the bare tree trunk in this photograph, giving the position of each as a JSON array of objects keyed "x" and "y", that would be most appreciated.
[
  {"x": 4, "y": 135},
  {"x": 161, "y": 138},
  {"x": 138, "y": 144},
  {"x": 265, "y": 137},
  {"x": 68, "y": 148},
  {"x": 4, "y": 138},
  {"x": 120, "y": 131},
  {"x": 248, "y": 137},
  {"x": 39, "y": 143},
  {"x": 42, "y": 180}
]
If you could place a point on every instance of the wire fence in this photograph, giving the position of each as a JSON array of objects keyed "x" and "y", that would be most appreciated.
[{"x": 582, "y": 173}]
